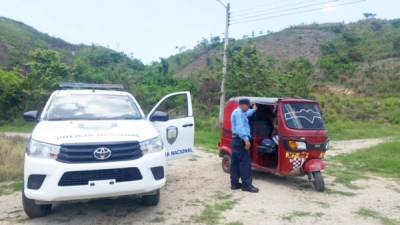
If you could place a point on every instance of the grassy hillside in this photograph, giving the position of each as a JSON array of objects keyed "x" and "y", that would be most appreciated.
[
  {"x": 18, "y": 39},
  {"x": 297, "y": 42}
]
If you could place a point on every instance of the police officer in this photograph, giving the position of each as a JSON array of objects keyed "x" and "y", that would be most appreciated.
[{"x": 241, "y": 161}]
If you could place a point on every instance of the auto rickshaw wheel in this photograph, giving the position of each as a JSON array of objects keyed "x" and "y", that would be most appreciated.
[
  {"x": 318, "y": 181},
  {"x": 226, "y": 163}
]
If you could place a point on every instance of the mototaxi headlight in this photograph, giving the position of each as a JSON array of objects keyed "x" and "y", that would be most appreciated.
[
  {"x": 151, "y": 145},
  {"x": 42, "y": 150},
  {"x": 297, "y": 145},
  {"x": 327, "y": 145}
]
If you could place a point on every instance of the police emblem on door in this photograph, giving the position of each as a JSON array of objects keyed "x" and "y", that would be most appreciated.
[{"x": 172, "y": 134}]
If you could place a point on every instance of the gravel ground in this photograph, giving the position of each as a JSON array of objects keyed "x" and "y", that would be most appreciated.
[{"x": 197, "y": 191}]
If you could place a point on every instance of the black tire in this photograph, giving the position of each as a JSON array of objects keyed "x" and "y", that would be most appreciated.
[
  {"x": 151, "y": 200},
  {"x": 318, "y": 181},
  {"x": 34, "y": 210},
  {"x": 226, "y": 163}
]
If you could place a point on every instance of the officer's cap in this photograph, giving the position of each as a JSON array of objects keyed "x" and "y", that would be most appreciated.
[{"x": 244, "y": 101}]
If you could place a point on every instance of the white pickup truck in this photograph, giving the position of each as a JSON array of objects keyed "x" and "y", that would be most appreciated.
[{"x": 94, "y": 141}]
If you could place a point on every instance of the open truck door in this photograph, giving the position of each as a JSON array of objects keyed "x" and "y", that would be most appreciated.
[{"x": 173, "y": 118}]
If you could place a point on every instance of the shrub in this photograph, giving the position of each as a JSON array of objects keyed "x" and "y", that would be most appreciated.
[
  {"x": 396, "y": 45},
  {"x": 11, "y": 96}
]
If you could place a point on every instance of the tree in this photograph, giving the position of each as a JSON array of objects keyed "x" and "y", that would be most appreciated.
[
  {"x": 396, "y": 46},
  {"x": 46, "y": 72},
  {"x": 215, "y": 41},
  {"x": 299, "y": 83},
  {"x": 251, "y": 75},
  {"x": 11, "y": 94},
  {"x": 369, "y": 15},
  {"x": 164, "y": 67},
  {"x": 247, "y": 73}
]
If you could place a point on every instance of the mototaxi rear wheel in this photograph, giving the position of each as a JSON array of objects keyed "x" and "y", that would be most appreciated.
[{"x": 226, "y": 163}]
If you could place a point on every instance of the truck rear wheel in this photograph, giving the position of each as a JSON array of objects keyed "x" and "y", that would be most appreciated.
[
  {"x": 34, "y": 210},
  {"x": 318, "y": 181},
  {"x": 226, "y": 163},
  {"x": 151, "y": 200}
]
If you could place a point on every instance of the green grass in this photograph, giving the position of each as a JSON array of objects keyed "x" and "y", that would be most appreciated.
[
  {"x": 18, "y": 125},
  {"x": 382, "y": 160},
  {"x": 212, "y": 213},
  {"x": 345, "y": 176},
  {"x": 337, "y": 192},
  {"x": 347, "y": 130},
  {"x": 376, "y": 215},
  {"x": 10, "y": 187},
  {"x": 297, "y": 214},
  {"x": 207, "y": 134},
  {"x": 208, "y": 140},
  {"x": 235, "y": 223},
  {"x": 158, "y": 219}
]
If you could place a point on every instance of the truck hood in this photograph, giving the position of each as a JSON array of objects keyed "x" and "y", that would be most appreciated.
[{"x": 93, "y": 131}]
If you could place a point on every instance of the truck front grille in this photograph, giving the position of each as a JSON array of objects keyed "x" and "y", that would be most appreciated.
[
  {"x": 84, "y": 153},
  {"x": 75, "y": 178}
]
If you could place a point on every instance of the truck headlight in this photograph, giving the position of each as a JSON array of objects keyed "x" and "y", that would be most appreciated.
[
  {"x": 151, "y": 145},
  {"x": 42, "y": 150},
  {"x": 297, "y": 145}
]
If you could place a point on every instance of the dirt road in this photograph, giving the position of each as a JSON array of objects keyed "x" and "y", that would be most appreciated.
[{"x": 197, "y": 191}]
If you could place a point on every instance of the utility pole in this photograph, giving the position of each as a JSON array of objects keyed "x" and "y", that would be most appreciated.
[{"x": 224, "y": 61}]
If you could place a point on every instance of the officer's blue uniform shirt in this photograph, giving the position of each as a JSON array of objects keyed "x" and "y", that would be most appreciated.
[{"x": 240, "y": 123}]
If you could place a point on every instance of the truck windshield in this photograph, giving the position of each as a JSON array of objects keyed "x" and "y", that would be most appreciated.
[
  {"x": 92, "y": 107},
  {"x": 306, "y": 116}
]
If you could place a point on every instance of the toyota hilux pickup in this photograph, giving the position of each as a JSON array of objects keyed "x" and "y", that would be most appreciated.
[{"x": 94, "y": 141}]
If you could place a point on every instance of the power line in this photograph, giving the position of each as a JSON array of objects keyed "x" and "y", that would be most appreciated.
[
  {"x": 221, "y": 2},
  {"x": 242, "y": 11},
  {"x": 258, "y": 10},
  {"x": 295, "y": 13},
  {"x": 282, "y": 9},
  {"x": 286, "y": 10}
]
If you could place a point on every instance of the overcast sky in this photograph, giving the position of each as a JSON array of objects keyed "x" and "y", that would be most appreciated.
[{"x": 150, "y": 29}]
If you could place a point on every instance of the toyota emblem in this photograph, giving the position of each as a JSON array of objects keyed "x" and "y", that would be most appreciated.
[{"x": 102, "y": 153}]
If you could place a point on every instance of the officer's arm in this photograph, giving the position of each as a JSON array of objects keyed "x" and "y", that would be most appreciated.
[{"x": 250, "y": 112}]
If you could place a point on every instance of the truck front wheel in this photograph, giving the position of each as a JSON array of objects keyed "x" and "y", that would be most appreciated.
[
  {"x": 34, "y": 210},
  {"x": 151, "y": 200}
]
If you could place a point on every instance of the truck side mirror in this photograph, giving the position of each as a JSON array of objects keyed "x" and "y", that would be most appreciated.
[
  {"x": 159, "y": 116},
  {"x": 31, "y": 116}
]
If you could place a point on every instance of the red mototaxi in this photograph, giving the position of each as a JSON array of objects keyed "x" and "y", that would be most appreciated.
[{"x": 299, "y": 127}]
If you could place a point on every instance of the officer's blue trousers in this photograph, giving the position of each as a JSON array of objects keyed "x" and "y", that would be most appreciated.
[{"x": 240, "y": 164}]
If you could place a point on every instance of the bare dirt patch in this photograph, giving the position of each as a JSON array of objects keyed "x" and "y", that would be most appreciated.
[{"x": 346, "y": 147}]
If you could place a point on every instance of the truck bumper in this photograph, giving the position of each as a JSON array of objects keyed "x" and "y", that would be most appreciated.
[{"x": 50, "y": 189}]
